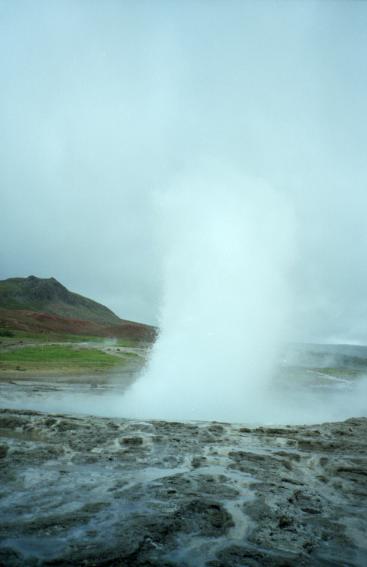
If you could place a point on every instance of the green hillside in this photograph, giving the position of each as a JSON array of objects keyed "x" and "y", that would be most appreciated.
[{"x": 50, "y": 296}]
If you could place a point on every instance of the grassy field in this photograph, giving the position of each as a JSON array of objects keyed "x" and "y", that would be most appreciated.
[
  {"x": 58, "y": 357},
  {"x": 341, "y": 372},
  {"x": 47, "y": 337},
  {"x": 26, "y": 336}
]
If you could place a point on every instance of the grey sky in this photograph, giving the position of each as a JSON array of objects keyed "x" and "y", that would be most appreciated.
[{"x": 104, "y": 104}]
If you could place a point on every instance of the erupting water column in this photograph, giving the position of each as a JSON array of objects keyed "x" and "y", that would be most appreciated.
[{"x": 227, "y": 246}]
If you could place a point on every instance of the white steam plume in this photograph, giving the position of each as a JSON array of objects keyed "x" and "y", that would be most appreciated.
[{"x": 228, "y": 244}]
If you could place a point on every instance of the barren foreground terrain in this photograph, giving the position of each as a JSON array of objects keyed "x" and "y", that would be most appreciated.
[{"x": 80, "y": 490}]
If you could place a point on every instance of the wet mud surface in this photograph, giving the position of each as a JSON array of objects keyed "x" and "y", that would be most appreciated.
[{"x": 80, "y": 490}]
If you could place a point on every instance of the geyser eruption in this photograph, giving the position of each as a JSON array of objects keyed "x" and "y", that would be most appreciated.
[{"x": 227, "y": 244}]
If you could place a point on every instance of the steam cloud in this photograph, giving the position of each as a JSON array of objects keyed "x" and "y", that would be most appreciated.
[{"x": 228, "y": 248}]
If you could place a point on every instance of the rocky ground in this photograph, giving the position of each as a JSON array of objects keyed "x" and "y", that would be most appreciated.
[{"x": 80, "y": 490}]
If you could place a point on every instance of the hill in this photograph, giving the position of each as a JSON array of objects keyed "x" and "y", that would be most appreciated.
[
  {"x": 50, "y": 296},
  {"x": 45, "y": 305}
]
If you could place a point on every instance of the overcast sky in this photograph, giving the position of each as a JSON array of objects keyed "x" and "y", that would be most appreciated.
[{"x": 105, "y": 104}]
